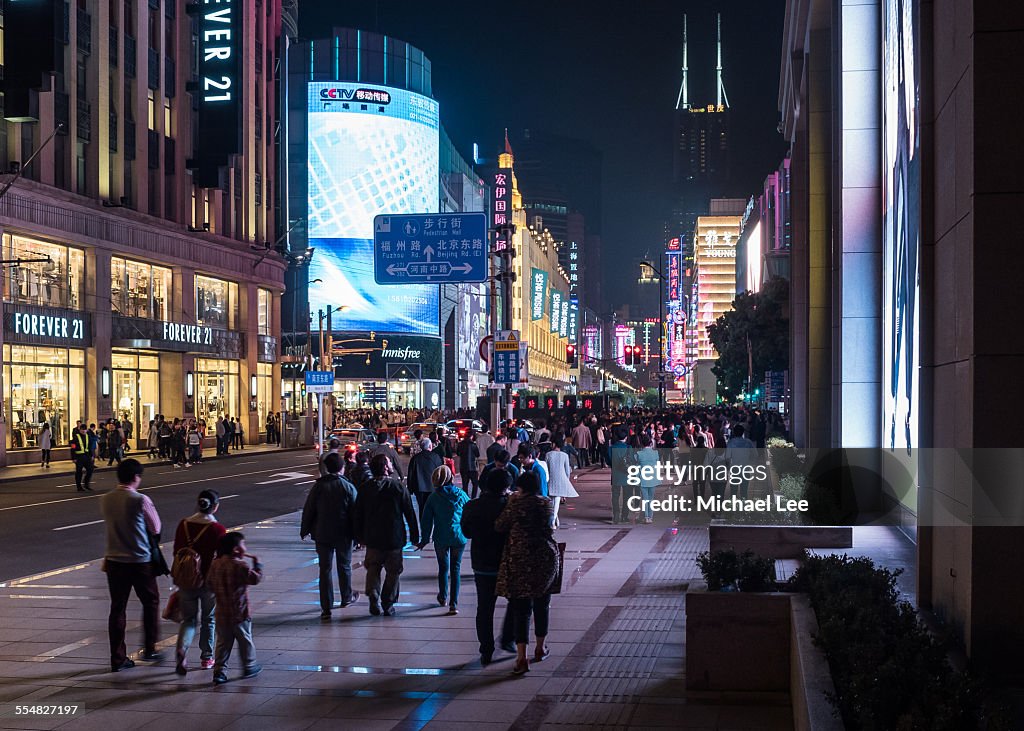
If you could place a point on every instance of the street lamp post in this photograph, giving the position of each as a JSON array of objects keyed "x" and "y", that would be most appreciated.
[{"x": 661, "y": 333}]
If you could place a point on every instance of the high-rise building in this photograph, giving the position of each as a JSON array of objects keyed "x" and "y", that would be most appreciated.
[
  {"x": 714, "y": 286},
  {"x": 138, "y": 224},
  {"x": 365, "y": 139},
  {"x": 700, "y": 152}
]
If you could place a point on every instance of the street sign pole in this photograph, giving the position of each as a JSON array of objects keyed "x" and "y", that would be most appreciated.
[{"x": 320, "y": 429}]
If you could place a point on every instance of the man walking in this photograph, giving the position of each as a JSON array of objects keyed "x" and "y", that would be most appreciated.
[
  {"x": 220, "y": 432},
  {"x": 581, "y": 440},
  {"x": 81, "y": 450},
  {"x": 382, "y": 510},
  {"x": 329, "y": 516},
  {"x": 740, "y": 452},
  {"x": 383, "y": 446},
  {"x": 421, "y": 467},
  {"x": 469, "y": 453},
  {"x": 619, "y": 453},
  {"x": 129, "y": 518}
]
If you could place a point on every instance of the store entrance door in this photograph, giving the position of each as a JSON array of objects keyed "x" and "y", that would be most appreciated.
[{"x": 136, "y": 395}]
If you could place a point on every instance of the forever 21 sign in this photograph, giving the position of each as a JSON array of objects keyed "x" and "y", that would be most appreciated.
[{"x": 219, "y": 87}]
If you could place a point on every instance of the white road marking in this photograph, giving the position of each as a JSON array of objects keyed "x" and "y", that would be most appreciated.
[
  {"x": 78, "y": 525},
  {"x": 154, "y": 487},
  {"x": 227, "y": 497},
  {"x": 307, "y": 482},
  {"x": 242, "y": 463},
  {"x": 284, "y": 477}
]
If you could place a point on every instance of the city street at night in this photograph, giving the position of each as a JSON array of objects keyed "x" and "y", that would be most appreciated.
[{"x": 566, "y": 366}]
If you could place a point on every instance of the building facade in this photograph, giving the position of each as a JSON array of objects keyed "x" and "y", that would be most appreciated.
[
  {"x": 365, "y": 139},
  {"x": 138, "y": 277},
  {"x": 541, "y": 308},
  {"x": 901, "y": 173}
]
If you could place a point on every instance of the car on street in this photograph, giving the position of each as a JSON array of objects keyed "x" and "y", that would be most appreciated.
[
  {"x": 354, "y": 439},
  {"x": 457, "y": 428},
  {"x": 405, "y": 436},
  {"x": 505, "y": 426}
]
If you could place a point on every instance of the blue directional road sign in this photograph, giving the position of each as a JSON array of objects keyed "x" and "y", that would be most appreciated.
[{"x": 430, "y": 247}]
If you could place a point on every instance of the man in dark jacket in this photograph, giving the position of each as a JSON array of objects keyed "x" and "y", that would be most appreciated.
[
  {"x": 329, "y": 516},
  {"x": 382, "y": 510},
  {"x": 486, "y": 546},
  {"x": 358, "y": 471},
  {"x": 421, "y": 467},
  {"x": 469, "y": 453}
]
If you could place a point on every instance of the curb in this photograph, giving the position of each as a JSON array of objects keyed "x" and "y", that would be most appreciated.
[{"x": 8, "y": 479}]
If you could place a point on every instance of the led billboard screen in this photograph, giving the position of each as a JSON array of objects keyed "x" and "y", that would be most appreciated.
[
  {"x": 371, "y": 150},
  {"x": 901, "y": 180}
]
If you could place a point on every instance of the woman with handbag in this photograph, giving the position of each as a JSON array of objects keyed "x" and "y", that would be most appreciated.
[
  {"x": 529, "y": 566},
  {"x": 195, "y": 543}
]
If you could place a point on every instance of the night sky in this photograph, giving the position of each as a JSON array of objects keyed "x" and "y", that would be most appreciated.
[{"x": 606, "y": 72}]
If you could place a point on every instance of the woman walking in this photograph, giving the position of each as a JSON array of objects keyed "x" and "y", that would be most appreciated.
[
  {"x": 442, "y": 518},
  {"x": 195, "y": 543},
  {"x": 153, "y": 439},
  {"x": 647, "y": 457},
  {"x": 45, "y": 445},
  {"x": 529, "y": 566},
  {"x": 559, "y": 485}
]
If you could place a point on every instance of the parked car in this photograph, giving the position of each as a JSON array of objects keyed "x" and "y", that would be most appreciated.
[
  {"x": 405, "y": 436},
  {"x": 457, "y": 428},
  {"x": 354, "y": 439}
]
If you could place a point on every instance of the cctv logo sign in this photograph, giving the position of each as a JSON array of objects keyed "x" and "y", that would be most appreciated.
[{"x": 374, "y": 96}]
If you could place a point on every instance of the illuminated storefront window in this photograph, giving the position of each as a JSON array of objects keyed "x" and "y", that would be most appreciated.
[
  {"x": 264, "y": 392},
  {"x": 217, "y": 389},
  {"x": 42, "y": 386},
  {"x": 33, "y": 281},
  {"x": 216, "y": 302},
  {"x": 138, "y": 289},
  {"x": 263, "y": 301}
]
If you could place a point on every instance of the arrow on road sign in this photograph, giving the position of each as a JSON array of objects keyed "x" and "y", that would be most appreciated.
[{"x": 285, "y": 477}]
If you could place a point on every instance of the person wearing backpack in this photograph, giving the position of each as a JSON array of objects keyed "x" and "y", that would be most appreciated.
[
  {"x": 195, "y": 543},
  {"x": 195, "y": 442}
]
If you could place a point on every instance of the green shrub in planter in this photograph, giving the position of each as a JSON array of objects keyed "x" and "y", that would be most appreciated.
[
  {"x": 889, "y": 672},
  {"x": 786, "y": 461},
  {"x": 727, "y": 570}
]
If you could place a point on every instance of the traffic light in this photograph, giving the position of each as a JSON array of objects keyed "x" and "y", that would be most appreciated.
[
  {"x": 628, "y": 357},
  {"x": 638, "y": 354},
  {"x": 570, "y": 353}
]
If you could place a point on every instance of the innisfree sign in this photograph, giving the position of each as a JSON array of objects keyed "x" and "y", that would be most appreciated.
[{"x": 430, "y": 248}]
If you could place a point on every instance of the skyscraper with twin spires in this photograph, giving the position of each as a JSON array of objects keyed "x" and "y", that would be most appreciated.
[{"x": 700, "y": 154}]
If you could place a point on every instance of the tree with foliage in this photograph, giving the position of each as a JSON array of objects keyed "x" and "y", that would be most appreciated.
[{"x": 754, "y": 332}]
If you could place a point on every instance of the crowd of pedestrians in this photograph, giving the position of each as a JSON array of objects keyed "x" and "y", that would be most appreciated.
[{"x": 506, "y": 510}]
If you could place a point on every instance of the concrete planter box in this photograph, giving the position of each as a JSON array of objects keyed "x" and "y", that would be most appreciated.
[
  {"x": 810, "y": 678},
  {"x": 737, "y": 641},
  {"x": 778, "y": 541},
  {"x": 757, "y": 643}
]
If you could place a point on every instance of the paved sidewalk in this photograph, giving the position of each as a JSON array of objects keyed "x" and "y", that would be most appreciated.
[
  {"x": 16, "y": 473},
  {"x": 617, "y": 642}
]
